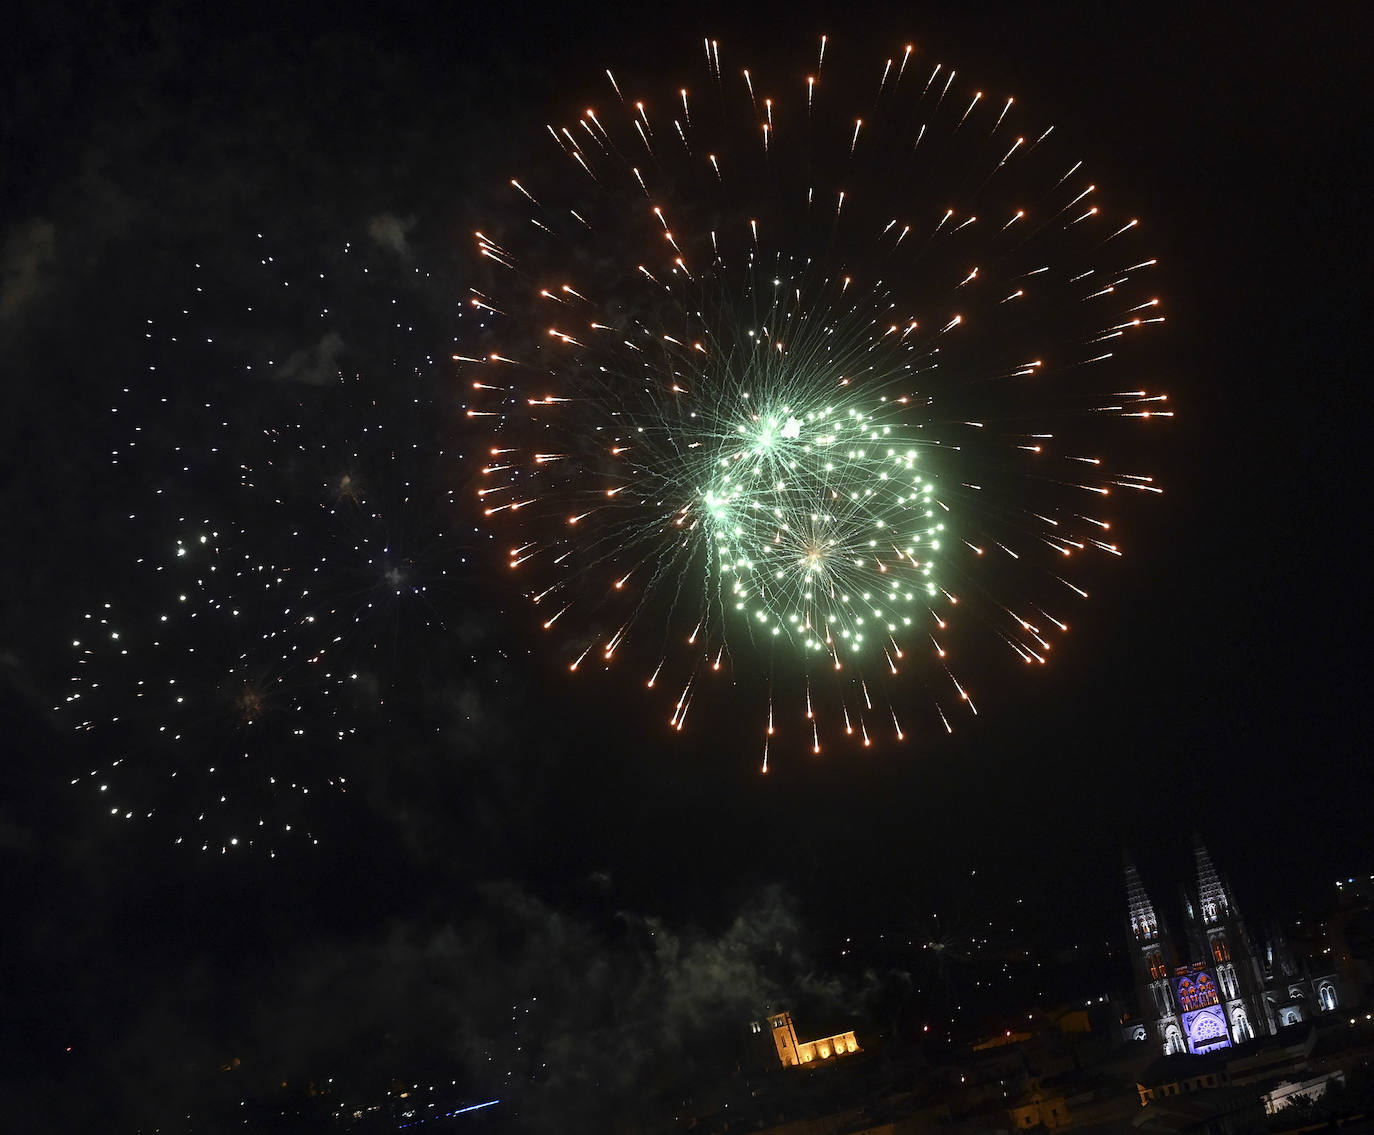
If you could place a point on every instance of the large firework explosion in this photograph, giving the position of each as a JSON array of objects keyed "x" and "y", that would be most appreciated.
[
  {"x": 285, "y": 541},
  {"x": 785, "y": 368}
]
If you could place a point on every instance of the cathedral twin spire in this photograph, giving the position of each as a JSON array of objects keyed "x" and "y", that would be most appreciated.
[
  {"x": 1144, "y": 924},
  {"x": 1216, "y": 994},
  {"x": 1213, "y": 903}
]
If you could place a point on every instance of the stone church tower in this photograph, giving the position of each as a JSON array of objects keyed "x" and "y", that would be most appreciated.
[
  {"x": 1203, "y": 990},
  {"x": 1153, "y": 962},
  {"x": 1212, "y": 988},
  {"x": 1217, "y": 934}
]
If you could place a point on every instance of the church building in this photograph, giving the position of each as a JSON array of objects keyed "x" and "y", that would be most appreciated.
[
  {"x": 794, "y": 1053},
  {"x": 1211, "y": 987}
]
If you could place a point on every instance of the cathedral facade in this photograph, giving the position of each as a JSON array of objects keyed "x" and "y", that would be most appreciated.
[{"x": 1211, "y": 986}]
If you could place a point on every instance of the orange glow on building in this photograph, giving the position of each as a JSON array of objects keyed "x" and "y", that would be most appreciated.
[{"x": 794, "y": 1053}]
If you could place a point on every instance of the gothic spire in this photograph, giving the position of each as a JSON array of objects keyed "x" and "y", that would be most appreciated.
[
  {"x": 1144, "y": 925},
  {"x": 1213, "y": 903}
]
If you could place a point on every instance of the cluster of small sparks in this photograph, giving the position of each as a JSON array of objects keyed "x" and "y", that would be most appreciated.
[
  {"x": 284, "y": 527},
  {"x": 778, "y": 368}
]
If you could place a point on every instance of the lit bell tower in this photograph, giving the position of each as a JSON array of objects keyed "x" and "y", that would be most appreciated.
[
  {"x": 1222, "y": 934},
  {"x": 1153, "y": 960}
]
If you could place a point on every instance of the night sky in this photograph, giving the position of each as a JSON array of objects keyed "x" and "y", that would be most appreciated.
[{"x": 531, "y": 886}]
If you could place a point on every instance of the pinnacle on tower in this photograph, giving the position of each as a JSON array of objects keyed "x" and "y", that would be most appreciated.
[
  {"x": 1144, "y": 925},
  {"x": 1213, "y": 903}
]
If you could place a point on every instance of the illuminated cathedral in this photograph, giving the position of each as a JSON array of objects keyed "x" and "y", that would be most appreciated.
[{"x": 1211, "y": 987}]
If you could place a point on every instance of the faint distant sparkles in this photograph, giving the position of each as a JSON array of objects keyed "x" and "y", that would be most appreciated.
[{"x": 286, "y": 544}]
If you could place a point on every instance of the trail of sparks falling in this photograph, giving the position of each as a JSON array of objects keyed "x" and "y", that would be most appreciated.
[{"x": 737, "y": 431}]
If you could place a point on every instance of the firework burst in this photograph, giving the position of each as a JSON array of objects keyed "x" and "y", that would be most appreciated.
[
  {"x": 284, "y": 545},
  {"x": 784, "y": 369}
]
